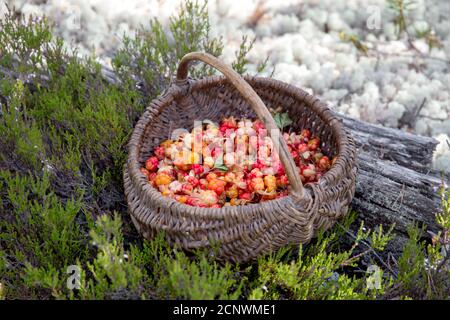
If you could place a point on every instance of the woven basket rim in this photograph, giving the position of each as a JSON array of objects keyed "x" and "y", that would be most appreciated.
[{"x": 174, "y": 92}]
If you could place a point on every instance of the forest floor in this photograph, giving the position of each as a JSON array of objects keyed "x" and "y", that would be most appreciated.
[{"x": 65, "y": 231}]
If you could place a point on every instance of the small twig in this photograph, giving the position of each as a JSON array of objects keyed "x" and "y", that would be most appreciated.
[
  {"x": 422, "y": 55},
  {"x": 354, "y": 258},
  {"x": 370, "y": 250},
  {"x": 421, "y": 106}
]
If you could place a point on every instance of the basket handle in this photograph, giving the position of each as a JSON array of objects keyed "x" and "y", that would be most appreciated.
[{"x": 297, "y": 189}]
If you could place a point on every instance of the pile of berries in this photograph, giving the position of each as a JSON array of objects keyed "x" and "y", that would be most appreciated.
[{"x": 229, "y": 164}]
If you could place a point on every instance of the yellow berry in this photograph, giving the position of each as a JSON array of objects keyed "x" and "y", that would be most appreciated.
[
  {"x": 162, "y": 179},
  {"x": 166, "y": 143},
  {"x": 232, "y": 192},
  {"x": 270, "y": 182}
]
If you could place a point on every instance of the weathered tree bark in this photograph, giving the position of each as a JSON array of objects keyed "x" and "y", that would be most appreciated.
[
  {"x": 406, "y": 149},
  {"x": 395, "y": 182}
]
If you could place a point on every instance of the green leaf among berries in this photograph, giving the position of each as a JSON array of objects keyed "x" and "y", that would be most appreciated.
[
  {"x": 282, "y": 120},
  {"x": 220, "y": 167}
]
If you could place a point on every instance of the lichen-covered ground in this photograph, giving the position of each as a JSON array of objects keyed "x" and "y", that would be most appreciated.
[{"x": 399, "y": 80}]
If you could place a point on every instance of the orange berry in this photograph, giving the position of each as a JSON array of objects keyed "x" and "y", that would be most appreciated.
[
  {"x": 165, "y": 191},
  {"x": 211, "y": 176},
  {"x": 232, "y": 192},
  {"x": 181, "y": 198},
  {"x": 256, "y": 184},
  {"x": 270, "y": 182},
  {"x": 217, "y": 185},
  {"x": 230, "y": 177},
  {"x": 314, "y": 144},
  {"x": 324, "y": 163},
  {"x": 306, "y": 134},
  {"x": 180, "y": 162},
  {"x": 162, "y": 179}
]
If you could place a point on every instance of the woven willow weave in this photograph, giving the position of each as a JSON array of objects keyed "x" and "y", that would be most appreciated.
[{"x": 239, "y": 233}]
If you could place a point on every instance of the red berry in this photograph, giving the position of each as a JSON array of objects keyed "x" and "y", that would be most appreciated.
[
  {"x": 294, "y": 154},
  {"x": 258, "y": 125},
  {"x": 193, "y": 181},
  {"x": 198, "y": 169},
  {"x": 278, "y": 167},
  {"x": 282, "y": 181},
  {"x": 302, "y": 147},
  {"x": 258, "y": 165},
  {"x": 203, "y": 183},
  {"x": 187, "y": 188},
  {"x": 324, "y": 163},
  {"x": 151, "y": 164},
  {"x": 152, "y": 177},
  {"x": 306, "y": 134},
  {"x": 255, "y": 173},
  {"x": 229, "y": 123},
  {"x": 192, "y": 201},
  {"x": 245, "y": 196},
  {"x": 160, "y": 152},
  {"x": 314, "y": 144}
]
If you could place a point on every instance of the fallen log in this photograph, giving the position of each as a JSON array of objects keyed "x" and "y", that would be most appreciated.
[
  {"x": 395, "y": 178},
  {"x": 405, "y": 149},
  {"x": 395, "y": 183}
]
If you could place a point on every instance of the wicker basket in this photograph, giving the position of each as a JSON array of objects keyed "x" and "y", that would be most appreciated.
[{"x": 247, "y": 231}]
